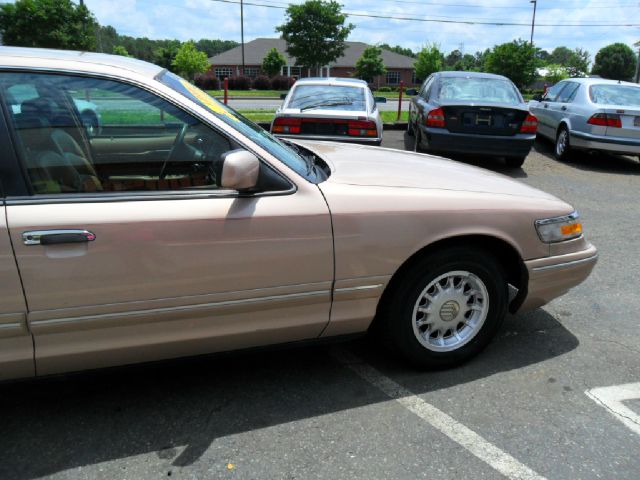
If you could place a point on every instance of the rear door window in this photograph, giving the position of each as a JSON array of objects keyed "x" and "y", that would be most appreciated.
[{"x": 553, "y": 93}]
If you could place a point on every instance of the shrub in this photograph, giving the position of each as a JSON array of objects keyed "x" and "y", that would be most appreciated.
[
  {"x": 207, "y": 81},
  {"x": 262, "y": 82},
  {"x": 384, "y": 89},
  {"x": 239, "y": 83},
  {"x": 282, "y": 83}
]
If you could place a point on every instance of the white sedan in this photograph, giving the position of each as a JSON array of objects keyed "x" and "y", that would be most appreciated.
[{"x": 336, "y": 109}]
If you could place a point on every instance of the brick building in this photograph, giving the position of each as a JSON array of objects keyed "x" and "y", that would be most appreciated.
[{"x": 229, "y": 63}]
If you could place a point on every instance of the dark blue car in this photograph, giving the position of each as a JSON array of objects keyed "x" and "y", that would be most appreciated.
[{"x": 472, "y": 113}]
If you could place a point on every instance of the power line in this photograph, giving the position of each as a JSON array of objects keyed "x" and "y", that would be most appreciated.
[{"x": 434, "y": 20}]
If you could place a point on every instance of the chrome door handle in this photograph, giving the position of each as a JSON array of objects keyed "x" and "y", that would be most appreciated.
[
  {"x": 563, "y": 108},
  {"x": 52, "y": 237},
  {"x": 546, "y": 105}
]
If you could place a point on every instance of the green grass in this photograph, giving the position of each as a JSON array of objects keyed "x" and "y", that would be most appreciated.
[{"x": 115, "y": 117}]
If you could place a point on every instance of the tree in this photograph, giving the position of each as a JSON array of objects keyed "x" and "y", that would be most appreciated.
[
  {"x": 454, "y": 57},
  {"x": 190, "y": 61},
  {"x": 398, "y": 49},
  {"x": 164, "y": 56},
  {"x": 120, "y": 50},
  {"x": 466, "y": 63},
  {"x": 370, "y": 64},
  {"x": 214, "y": 47},
  {"x": 315, "y": 32},
  {"x": 273, "y": 62},
  {"x": 515, "y": 60},
  {"x": 48, "y": 24},
  {"x": 429, "y": 60},
  {"x": 616, "y": 61},
  {"x": 576, "y": 62},
  {"x": 555, "y": 73}
]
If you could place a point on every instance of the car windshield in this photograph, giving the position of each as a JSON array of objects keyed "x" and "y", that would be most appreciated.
[
  {"x": 615, "y": 95},
  {"x": 259, "y": 135},
  {"x": 337, "y": 97},
  {"x": 471, "y": 89}
]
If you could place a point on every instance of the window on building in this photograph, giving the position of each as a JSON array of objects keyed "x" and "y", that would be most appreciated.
[
  {"x": 222, "y": 72},
  {"x": 251, "y": 72},
  {"x": 293, "y": 72},
  {"x": 393, "y": 78},
  {"x": 414, "y": 78}
]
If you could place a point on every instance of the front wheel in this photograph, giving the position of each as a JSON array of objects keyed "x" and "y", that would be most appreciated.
[
  {"x": 410, "y": 130},
  {"x": 446, "y": 308}
]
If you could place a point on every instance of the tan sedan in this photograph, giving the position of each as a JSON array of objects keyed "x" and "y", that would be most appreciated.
[{"x": 180, "y": 228}]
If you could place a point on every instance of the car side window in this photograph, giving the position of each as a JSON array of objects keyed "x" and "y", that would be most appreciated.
[
  {"x": 568, "y": 93},
  {"x": 79, "y": 134},
  {"x": 553, "y": 92}
]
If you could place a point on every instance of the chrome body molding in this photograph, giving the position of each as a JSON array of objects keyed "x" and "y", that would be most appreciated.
[{"x": 591, "y": 259}]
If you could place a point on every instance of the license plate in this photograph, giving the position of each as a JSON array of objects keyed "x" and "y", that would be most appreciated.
[
  {"x": 636, "y": 122},
  {"x": 483, "y": 120}
]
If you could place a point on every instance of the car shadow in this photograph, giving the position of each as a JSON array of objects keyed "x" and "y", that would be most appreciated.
[
  {"x": 177, "y": 409},
  {"x": 497, "y": 164},
  {"x": 593, "y": 161}
]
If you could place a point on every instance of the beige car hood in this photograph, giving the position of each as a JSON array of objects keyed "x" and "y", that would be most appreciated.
[{"x": 374, "y": 166}]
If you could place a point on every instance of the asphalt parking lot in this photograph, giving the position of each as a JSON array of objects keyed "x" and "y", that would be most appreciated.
[{"x": 519, "y": 410}]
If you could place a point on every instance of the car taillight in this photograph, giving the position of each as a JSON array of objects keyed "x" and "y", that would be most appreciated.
[
  {"x": 360, "y": 128},
  {"x": 286, "y": 125},
  {"x": 605, "y": 120},
  {"x": 530, "y": 124},
  {"x": 435, "y": 118}
]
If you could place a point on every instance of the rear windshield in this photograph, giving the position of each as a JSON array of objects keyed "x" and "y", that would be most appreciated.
[
  {"x": 615, "y": 95},
  {"x": 478, "y": 90},
  {"x": 333, "y": 97}
]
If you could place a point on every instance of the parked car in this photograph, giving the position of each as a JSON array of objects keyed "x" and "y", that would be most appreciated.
[
  {"x": 338, "y": 109},
  {"x": 156, "y": 239},
  {"x": 590, "y": 114},
  {"x": 473, "y": 113},
  {"x": 88, "y": 111}
]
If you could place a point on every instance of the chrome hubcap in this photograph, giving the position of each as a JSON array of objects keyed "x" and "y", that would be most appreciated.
[
  {"x": 561, "y": 144},
  {"x": 450, "y": 311}
]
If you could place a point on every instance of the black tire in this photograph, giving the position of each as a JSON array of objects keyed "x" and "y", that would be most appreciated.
[
  {"x": 396, "y": 315},
  {"x": 417, "y": 143},
  {"x": 410, "y": 130},
  {"x": 515, "y": 162},
  {"x": 562, "y": 153}
]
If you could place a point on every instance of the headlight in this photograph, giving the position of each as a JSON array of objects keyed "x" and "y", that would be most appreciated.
[{"x": 558, "y": 229}]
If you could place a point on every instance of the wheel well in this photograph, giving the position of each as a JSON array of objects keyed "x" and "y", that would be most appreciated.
[
  {"x": 561, "y": 125},
  {"x": 503, "y": 251}
]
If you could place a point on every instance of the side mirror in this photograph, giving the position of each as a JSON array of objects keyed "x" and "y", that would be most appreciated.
[
  {"x": 537, "y": 97},
  {"x": 283, "y": 96},
  {"x": 380, "y": 99},
  {"x": 239, "y": 170},
  {"x": 412, "y": 91}
]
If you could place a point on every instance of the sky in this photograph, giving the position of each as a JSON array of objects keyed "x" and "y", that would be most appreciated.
[{"x": 195, "y": 19}]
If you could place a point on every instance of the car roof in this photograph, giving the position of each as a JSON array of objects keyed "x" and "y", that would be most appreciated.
[
  {"x": 600, "y": 81},
  {"x": 465, "y": 74},
  {"x": 75, "y": 60},
  {"x": 354, "y": 82}
]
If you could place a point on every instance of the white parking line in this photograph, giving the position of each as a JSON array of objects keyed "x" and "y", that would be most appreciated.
[
  {"x": 611, "y": 398},
  {"x": 464, "y": 436}
]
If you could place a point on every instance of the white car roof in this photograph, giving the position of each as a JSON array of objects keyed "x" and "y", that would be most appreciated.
[{"x": 74, "y": 60}]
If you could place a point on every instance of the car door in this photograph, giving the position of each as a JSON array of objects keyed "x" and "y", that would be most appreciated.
[
  {"x": 130, "y": 250},
  {"x": 546, "y": 111},
  {"x": 419, "y": 101},
  {"x": 16, "y": 344},
  {"x": 562, "y": 109}
]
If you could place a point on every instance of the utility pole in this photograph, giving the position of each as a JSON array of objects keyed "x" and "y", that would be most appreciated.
[
  {"x": 242, "y": 33},
  {"x": 533, "y": 20}
]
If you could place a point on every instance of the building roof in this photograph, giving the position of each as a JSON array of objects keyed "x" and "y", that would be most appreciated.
[{"x": 256, "y": 50}]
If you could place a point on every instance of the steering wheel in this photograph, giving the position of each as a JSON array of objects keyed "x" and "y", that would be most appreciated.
[{"x": 176, "y": 143}]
